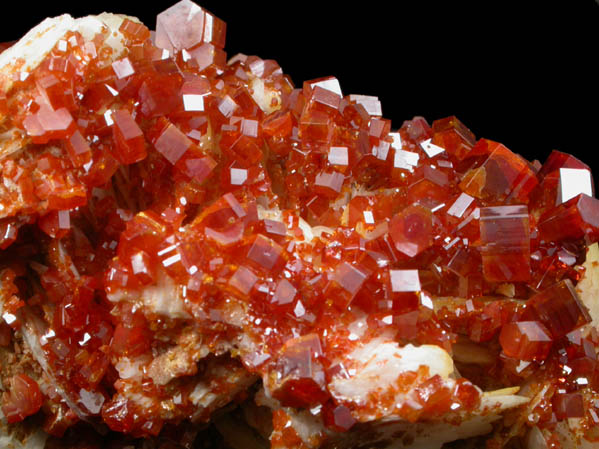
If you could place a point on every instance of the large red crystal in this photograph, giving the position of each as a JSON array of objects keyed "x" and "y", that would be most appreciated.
[
  {"x": 575, "y": 219},
  {"x": 505, "y": 237},
  {"x": 302, "y": 376},
  {"x": 504, "y": 176},
  {"x": 525, "y": 340},
  {"x": 559, "y": 308}
]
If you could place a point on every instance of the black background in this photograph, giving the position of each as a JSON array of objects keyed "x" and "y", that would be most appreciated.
[{"x": 521, "y": 73}]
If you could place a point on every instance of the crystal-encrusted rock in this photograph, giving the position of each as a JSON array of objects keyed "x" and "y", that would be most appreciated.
[{"x": 180, "y": 225}]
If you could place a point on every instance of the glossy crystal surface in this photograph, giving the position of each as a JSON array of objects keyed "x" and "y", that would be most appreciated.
[{"x": 188, "y": 224}]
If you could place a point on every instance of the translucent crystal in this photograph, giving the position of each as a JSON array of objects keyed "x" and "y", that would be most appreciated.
[
  {"x": 412, "y": 230},
  {"x": 503, "y": 176},
  {"x": 525, "y": 340},
  {"x": 185, "y": 25},
  {"x": 505, "y": 238},
  {"x": 559, "y": 308}
]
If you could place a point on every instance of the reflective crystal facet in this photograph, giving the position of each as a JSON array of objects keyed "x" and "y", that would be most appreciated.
[
  {"x": 505, "y": 238},
  {"x": 559, "y": 308},
  {"x": 185, "y": 25},
  {"x": 525, "y": 340},
  {"x": 503, "y": 176}
]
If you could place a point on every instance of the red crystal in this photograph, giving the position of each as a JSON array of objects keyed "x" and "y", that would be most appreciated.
[
  {"x": 172, "y": 143},
  {"x": 328, "y": 183},
  {"x": 22, "y": 399},
  {"x": 129, "y": 341},
  {"x": 568, "y": 405},
  {"x": 412, "y": 230},
  {"x": 172, "y": 206},
  {"x": 265, "y": 253},
  {"x": 338, "y": 418},
  {"x": 559, "y": 308},
  {"x": 505, "y": 238},
  {"x": 130, "y": 145},
  {"x": 78, "y": 149},
  {"x": 525, "y": 340},
  {"x": 47, "y": 124},
  {"x": 302, "y": 382},
  {"x": 185, "y": 25},
  {"x": 575, "y": 219},
  {"x": 350, "y": 279},
  {"x": 557, "y": 160},
  {"x": 504, "y": 176},
  {"x": 451, "y": 134}
]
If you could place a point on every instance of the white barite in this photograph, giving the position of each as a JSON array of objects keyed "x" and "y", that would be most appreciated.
[
  {"x": 269, "y": 100},
  {"x": 422, "y": 435},
  {"x": 130, "y": 368},
  {"x": 588, "y": 286},
  {"x": 164, "y": 297},
  {"x": 22, "y": 440},
  {"x": 570, "y": 434},
  {"x": 28, "y": 53},
  {"x": 202, "y": 395},
  {"x": 378, "y": 366},
  {"x": 373, "y": 370}
]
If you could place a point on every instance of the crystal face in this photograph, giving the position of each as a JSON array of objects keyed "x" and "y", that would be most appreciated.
[
  {"x": 505, "y": 237},
  {"x": 183, "y": 232}
]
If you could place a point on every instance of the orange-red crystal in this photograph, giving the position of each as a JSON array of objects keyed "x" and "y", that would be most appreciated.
[{"x": 154, "y": 171}]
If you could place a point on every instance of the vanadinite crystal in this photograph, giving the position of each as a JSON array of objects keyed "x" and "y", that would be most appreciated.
[{"x": 175, "y": 227}]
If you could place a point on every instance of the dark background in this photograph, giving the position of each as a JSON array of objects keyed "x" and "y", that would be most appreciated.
[{"x": 521, "y": 75}]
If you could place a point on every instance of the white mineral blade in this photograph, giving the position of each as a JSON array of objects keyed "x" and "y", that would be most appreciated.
[
  {"x": 588, "y": 287},
  {"x": 31, "y": 49},
  {"x": 376, "y": 367}
]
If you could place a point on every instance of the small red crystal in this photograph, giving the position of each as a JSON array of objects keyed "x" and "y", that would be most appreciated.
[
  {"x": 412, "y": 230},
  {"x": 130, "y": 145},
  {"x": 568, "y": 405},
  {"x": 23, "y": 399},
  {"x": 451, "y": 134},
  {"x": 338, "y": 417}
]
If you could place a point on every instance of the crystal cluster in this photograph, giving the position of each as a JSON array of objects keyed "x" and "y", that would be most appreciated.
[{"x": 170, "y": 189}]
